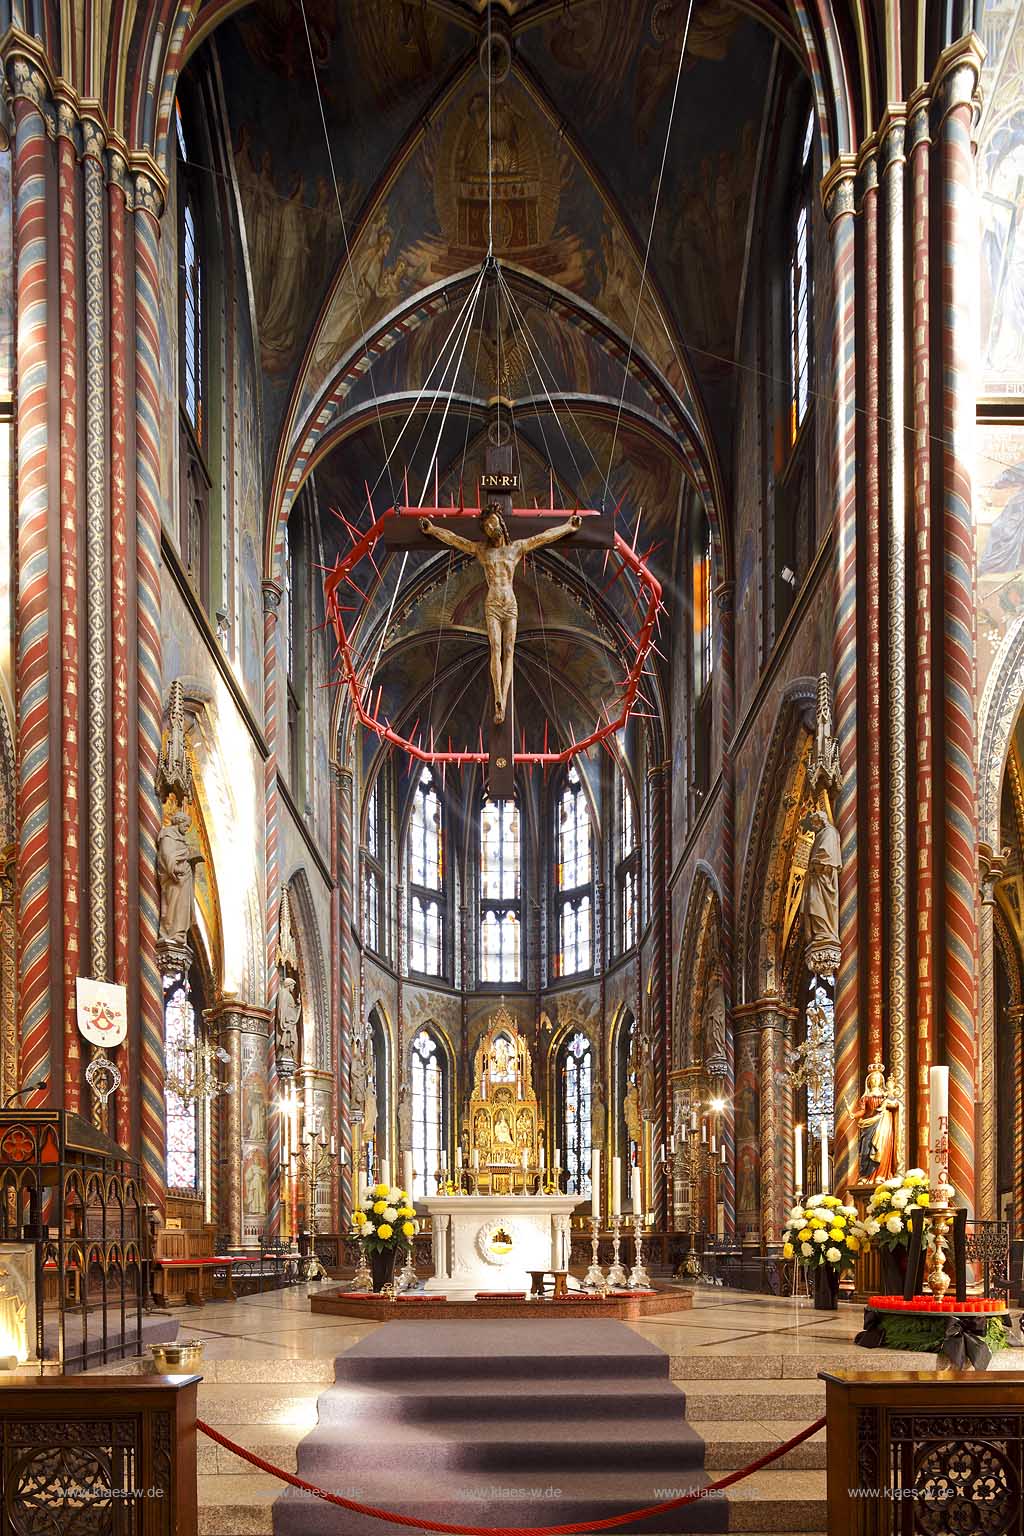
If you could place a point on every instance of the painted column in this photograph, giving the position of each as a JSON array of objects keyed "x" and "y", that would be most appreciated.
[
  {"x": 68, "y": 221},
  {"x": 776, "y": 1124},
  {"x": 724, "y": 597},
  {"x": 954, "y": 89},
  {"x": 1015, "y": 1018},
  {"x": 39, "y": 790},
  {"x": 659, "y": 855},
  {"x": 991, "y": 868},
  {"x": 244, "y": 1030},
  {"x": 347, "y": 976},
  {"x": 746, "y": 1029},
  {"x": 119, "y": 614},
  {"x": 271, "y": 724},
  {"x": 894, "y": 435},
  {"x": 837, "y": 192},
  {"x": 918, "y": 149},
  {"x": 873, "y": 622},
  {"x": 150, "y": 705}
]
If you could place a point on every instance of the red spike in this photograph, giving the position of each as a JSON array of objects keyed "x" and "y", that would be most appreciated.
[
  {"x": 551, "y": 487},
  {"x": 462, "y": 504},
  {"x": 407, "y": 485},
  {"x": 545, "y": 734},
  {"x": 437, "y": 494}
]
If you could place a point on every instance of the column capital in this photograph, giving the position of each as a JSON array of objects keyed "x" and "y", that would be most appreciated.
[
  {"x": 919, "y": 118},
  {"x": 231, "y": 1013},
  {"x": 892, "y": 132},
  {"x": 148, "y": 194},
  {"x": 991, "y": 869},
  {"x": 956, "y": 76},
  {"x": 837, "y": 187},
  {"x": 271, "y": 597}
]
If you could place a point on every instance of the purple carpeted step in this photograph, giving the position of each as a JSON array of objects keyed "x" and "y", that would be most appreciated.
[{"x": 487, "y": 1425}]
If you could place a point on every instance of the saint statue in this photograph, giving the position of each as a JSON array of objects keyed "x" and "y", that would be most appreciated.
[
  {"x": 13, "y": 1318},
  {"x": 631, "y": 1115},
  {"x": 877, "y": 1114},
  {"x": 289, "y": 1011},
  {"x": 821, "y": 887},
  {"x": 176, "y": 862},
  {"x": 357, "y": 1083},
  {"x": 714, "y": 1023},
  {"x": 500, "y": 1057},
  {"x": 597, "y": 1116},
  {"x": 502, "y": 1131},
  {"x": 369, "y": 1106},
  {"x": 499, "y": 555}
]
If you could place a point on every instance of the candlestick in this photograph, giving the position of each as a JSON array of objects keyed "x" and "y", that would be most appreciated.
[
  {"x": 594, "y": 1279},
  {"x": 938, "y": 1134},
  {"x": 616, "y": 1273},
  {"x": 616, "y": 1186},
  {"x": 595, "y": 1184},
  {"x": 824, "y": 1158},
  {"x": 798, "y": 1157},
  {"x": 639, "y": 1279}
]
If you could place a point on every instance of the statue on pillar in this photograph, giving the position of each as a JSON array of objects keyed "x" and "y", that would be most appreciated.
[
  {"x": 820, "y": 905},
  {"x": 598, "y": 1115},
  {"x": 288, "y": 1014},
  {"x": 715, "y": 1051},
  {"x": 176, "y": 861}
]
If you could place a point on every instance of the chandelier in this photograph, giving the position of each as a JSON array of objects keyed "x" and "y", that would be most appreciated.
[
  {"x": 811, "y": 1065},
  {"x": 192, "y": 1071}
]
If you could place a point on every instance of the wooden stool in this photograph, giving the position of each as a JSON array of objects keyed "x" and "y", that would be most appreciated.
[{"x": 560, "y": 1278}]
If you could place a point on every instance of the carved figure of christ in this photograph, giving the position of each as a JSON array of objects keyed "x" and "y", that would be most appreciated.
[{"x": 498, "y": 556}]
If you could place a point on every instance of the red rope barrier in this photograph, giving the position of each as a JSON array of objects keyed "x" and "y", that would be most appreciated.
[{"x": 581, "y": 1528}]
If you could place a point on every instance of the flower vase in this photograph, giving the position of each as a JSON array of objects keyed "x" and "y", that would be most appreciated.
[
  {"x": 382, "y": 1267},
  {"x": 893, "y": 1264},
  {"x": 826, "y": 1288}
]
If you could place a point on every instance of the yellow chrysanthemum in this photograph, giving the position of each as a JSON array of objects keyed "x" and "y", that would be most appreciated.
[
  {"x": 381, "y": 1191},
  {"x": 358, "y": 1217},
  {"x": 408, "y": 1229},
  {"x": 923, "y": 1199},
  {"x": 379, "y": 1207},
  {"x": 805, "y": 1234},
  {"x": 835, "y": 1233},
  {"x": 384, "y": 1231},
  {"x": 853, "y": 1242},
  {"x": 787, "y": 1250},
  {"x": 406, "y": 1211},
  {"x": 817, "y": 1222}
]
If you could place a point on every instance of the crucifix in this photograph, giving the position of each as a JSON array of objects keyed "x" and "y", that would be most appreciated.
[{"x": 503, "y": 535}]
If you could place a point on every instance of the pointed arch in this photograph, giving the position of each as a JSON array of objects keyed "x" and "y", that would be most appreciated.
[
  {"x": 312, "y": 974},
  {"x": 699, "y": 957}
]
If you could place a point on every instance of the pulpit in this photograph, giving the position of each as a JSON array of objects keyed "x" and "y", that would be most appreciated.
[{"x": 504, "y": 1120}]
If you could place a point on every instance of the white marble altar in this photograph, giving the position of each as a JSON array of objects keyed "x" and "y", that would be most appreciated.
[{"x": 491, "y": 1242}]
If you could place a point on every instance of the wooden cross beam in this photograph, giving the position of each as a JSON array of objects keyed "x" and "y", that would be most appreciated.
[{"x": 498, "y": 486}]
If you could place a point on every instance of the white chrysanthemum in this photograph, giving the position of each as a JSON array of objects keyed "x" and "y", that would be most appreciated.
[
  {"x": 833, "y": 1255},
  {"x": 807, "y": 1250},
  {"x": 872, "y": 1227},
  {"x": 815, "y": 1199},
  {"x": 848, "y": 1210},
  {"x": 916, "y": 1173},
  {"x": 900, "y": 1199},
  {"x": 797, "y": 1214},
  {"x": 894, "y": 1225},
  {"x": 389, "y": 1213},
  {"x": 394, "y": 1196},
  {"x": 821, "y": 1236}
]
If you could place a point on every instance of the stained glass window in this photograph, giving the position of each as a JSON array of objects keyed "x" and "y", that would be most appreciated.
[
  {"x": 501, "y": 956},
  {"x": 372, "y": 823},
  {"x": 429, "y": 1153},
  {"x": 800, "y": 291},
  {"x": 627, "y": 869},
  {"x": 182, "y": 1119},
  {"x": 574, "y": 872},
  {"x": 703, "y": 635},
  {"x": 426, "y": 936},
  {"x": 426, "y": 843},
  {"x": 575, "y": 931},
  {"x": 192, "y": 316},
  {"x": 371, "y": 908},
  {"x": 573, "y": 835},
  {"x": 577, "y": 1080}
]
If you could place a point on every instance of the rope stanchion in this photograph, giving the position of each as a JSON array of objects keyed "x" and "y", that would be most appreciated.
[{"x": 580, "y": 1528}]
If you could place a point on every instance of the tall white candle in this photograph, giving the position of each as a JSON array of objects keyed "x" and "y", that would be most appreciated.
[
  {"x": 595, "y": 1183},
  {"x": 704, "y": 1132},
  {"x": 458, "y": 1157},
  {"x": 558, "y": 1157},
  {"x": 525, "y": 1159},
  {"x": 407, "y": 1172},
  {"x": 798, "y": 1157},
  {"x": 616, "y": 1186},
  {"x": 938, "y": 1129},
  {"x": 476, "y": 1157},
  {"x": 634, "y": 1191},
  {"x": 385, "y": 1171},
  {"x": 542, "y": 1157},
  {"x": 722, "y": 1150},
  {"x": 362, "y": 1188},
  {"x": 714, "y": 1145},
  {"x": 824, "y": 1158},
  {"x": 693, "y": 1119}
]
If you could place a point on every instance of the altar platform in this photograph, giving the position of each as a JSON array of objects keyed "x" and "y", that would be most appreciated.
[{"x": 422, "y": 1306}]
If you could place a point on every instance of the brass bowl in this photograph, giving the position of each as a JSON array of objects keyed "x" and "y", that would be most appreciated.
[{"x": 175, "y": 1359}]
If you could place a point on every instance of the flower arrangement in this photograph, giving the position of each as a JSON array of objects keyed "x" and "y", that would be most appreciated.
[
  {"x": 887, "y": 1221},
  {"x": 385, "y": 1219},
  {"x": 823, "y": 1231}
]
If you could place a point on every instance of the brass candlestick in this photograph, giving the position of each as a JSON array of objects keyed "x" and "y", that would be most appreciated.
[{"x": 616, "y": 1273}]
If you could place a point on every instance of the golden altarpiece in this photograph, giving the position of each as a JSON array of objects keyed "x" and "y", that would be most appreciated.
[{"x": 504, "y": 1118}]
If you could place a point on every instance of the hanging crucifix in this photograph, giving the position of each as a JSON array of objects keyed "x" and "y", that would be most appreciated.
[{"x": 508, "y": 534}]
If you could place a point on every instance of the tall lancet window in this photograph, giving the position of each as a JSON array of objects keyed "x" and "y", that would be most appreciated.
[
  {"x": 501, "y": 956},
  {"x": 800, "y": 290},
  {"x": 180, "y": 1042},
  {"x": 194, "y": 240},
  {"x": 426, "y": 867},
  {"x": 576, "y": 1066},
  {"x": 627, "y": 866},
  {"x": 429, "y": 1114},
  {"x": 574, "y": 876},
  {"x": 703, "y": 651}
]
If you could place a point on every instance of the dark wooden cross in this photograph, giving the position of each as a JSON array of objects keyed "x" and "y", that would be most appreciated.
[{"x": 498, "y": 486}]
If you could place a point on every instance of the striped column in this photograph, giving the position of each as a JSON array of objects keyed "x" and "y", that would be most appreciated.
[
  {"x": 894, "y": 434},
  {"x": 658, "y": 1019},
  {"x": 68, "y": 268},
  {"x": 724, "y": 599},
  {"x": 873, "y": 623},
  {"x": 1015, "y": 1019},
  {"x": 345, "y": 975},
  {"x": 776, "y": 1124},
  {"x": 918, "y": 149},
  {"x": 119, "y": 615},
  {"x": 747, "y": 1102},
  {"x": 271, "y": 727},
  {"x": 957, "y": 79},
  {"x": 837, "y": 192},
  {"x": 150, "y": 708},
  {"x": 39, "y": 1005},
  {"x": 992, "y": 868}
]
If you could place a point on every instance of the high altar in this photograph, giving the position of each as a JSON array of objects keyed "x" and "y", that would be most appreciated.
[{"x": 490, "y": 1238}]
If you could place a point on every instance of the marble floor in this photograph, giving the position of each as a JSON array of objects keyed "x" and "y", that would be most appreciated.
[{"x": 279, "y": 1325}]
